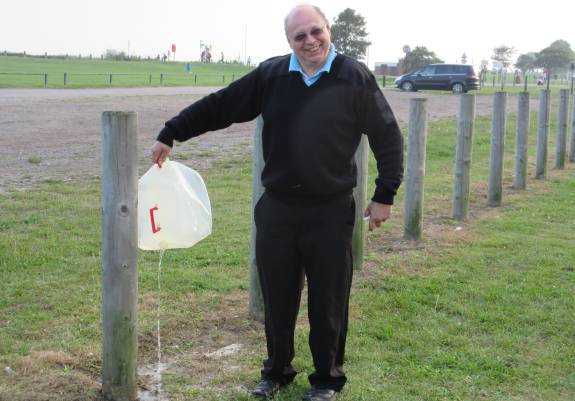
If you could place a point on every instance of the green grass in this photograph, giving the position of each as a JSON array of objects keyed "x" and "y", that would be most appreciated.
[
  {"x": 485, "y": 313},
  {"x": 86, "y": 72}
]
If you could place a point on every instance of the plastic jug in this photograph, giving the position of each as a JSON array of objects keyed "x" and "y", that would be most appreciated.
[{"x": 173, "y": 207}]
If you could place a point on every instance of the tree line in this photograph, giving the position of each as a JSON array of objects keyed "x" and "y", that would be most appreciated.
[{"x": 349, "y": 36}]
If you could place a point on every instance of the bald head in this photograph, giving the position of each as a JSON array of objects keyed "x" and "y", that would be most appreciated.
[
  {"x": 305, "y": 8},
  {"x": 308, "y": 34}
]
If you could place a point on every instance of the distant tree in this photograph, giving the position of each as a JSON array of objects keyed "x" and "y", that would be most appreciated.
[
  {"x": 417, "y": 58},
  {"x": 526, "y": 62},
  {"x": 503, "y": 54},
  {"x": 348, "y": 34},
  {"x": 556, "y": 56}
]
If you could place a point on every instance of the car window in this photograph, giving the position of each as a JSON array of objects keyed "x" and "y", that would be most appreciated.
[
  {"x": 442, "y": 69},
  {"x": 428, "y": 70}
]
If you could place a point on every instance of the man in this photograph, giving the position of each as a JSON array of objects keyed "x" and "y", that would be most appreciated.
[{"x": 315, "y": 105}]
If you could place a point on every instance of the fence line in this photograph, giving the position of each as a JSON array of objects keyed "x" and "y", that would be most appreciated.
[
  {"x": 45, "y": 75},
  {"x": 162, "y": 77},
  {"x": 119, "y": 217}
]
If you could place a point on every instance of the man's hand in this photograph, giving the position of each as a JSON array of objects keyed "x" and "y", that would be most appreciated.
[
  {"x": 378, "y": 213},
  {"x": 160, "y": 152}
]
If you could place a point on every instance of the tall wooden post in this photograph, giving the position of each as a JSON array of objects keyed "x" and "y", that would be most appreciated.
[
  {"x": 119, "y": 254},
  {"x": 521, "y": 141},
  {"x": 465, "y": 124},
  {"x": 359, "y": 195},
  {"x": 495, "y": 186},
  {"x": 572, "y": 147},
  {"x": 561, "y": 144},
  {"x": 256, "y": 302},
  {"x": 542, "y": 134},
  {"x": 416, "y": 151}
]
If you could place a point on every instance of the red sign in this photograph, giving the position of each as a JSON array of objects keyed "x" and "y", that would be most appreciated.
[{"x": 173, "y": 47}]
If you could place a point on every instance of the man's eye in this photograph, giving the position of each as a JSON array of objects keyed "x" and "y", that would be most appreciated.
[
  {"x": 300, "y": 37},
  {"x": 316, "y": 32}
]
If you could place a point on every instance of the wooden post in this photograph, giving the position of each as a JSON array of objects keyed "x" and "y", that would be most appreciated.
[
  {"x": 561, "y": 144},
  {"x": 572, "y": 147},
  {"x": 463, "y": 156},
  {"x": 359, "y": 195},
  {"x": 161, "y": 79},
  {"x": 65, "y": 78},
  {"x": 495, "y": 186},
  {"x": 119, "y": 255},
  {"x": 417, "y": 136},
  {"x": 542, "y": 134},
  {"x": 256, "y": 302},
  {"x": 521, "y": 140}
]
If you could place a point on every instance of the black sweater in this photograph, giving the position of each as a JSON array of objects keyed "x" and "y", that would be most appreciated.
[{"x": 310, "y": 134}]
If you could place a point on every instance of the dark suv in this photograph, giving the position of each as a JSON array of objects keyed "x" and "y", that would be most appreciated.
[{"x": 458, "y": 78}]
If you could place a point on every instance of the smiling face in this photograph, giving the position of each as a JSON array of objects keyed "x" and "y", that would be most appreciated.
[{"x": 308, "y": 34}]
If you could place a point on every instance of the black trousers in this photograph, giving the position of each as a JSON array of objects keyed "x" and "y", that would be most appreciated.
[{"x": 297, "y": 237}]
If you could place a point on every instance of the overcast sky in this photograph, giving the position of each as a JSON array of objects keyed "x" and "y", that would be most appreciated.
[{"x": 254, "y": 28}]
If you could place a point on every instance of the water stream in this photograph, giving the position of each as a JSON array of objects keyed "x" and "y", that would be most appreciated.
[{"x": 155, "y": 372}]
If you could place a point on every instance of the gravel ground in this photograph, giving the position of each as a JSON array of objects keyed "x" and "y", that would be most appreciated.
[{"x": 55, "y": 133}]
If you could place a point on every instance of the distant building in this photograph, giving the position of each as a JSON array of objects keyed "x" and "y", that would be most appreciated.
[{"x": 387, "y": 68}]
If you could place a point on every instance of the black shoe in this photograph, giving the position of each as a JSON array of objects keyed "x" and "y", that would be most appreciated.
[
  {"x": 320, "y": 394},
  {"x": 266, "y": 388}
]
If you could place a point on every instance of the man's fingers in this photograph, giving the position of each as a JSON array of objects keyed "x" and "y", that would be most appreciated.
[{"x": 160, "y": 152}]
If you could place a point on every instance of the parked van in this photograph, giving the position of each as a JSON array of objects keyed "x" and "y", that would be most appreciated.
[{"x": 458, "y": 78}]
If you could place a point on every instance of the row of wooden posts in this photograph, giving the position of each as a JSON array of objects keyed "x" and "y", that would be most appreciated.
[
  {"x": 119, "y": 208},
  {"x": 415, "y": 174}
]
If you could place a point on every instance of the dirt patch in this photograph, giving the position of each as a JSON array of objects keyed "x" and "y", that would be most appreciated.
[
  {"x": 55, "y": 134},
  {"x": 49, "y": 376}
]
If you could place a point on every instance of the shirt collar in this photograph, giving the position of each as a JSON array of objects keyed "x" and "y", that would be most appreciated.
[{"x": 294, "y": 64}]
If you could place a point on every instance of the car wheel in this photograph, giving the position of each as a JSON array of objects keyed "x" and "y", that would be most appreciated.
[
  {"x": 407, "y": 87},
  {"x": 458, "y": 88}
]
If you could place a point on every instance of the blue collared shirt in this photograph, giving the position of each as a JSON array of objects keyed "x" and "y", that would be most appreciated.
[{"x": 294, "y": 65}]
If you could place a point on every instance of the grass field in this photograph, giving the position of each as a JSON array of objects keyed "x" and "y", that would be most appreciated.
[
  {"x": 479, "y": 313},
  {"x": 82, "y": 73},
  {"x": 86, "y": 72}
]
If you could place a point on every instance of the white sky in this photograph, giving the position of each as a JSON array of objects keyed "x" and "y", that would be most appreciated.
[{"x": 254, "y": 28}]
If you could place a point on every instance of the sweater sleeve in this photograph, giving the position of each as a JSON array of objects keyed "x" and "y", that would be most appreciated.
[
  {"x": 238, "y": 102},
  {"x": 386, "y": 142}
]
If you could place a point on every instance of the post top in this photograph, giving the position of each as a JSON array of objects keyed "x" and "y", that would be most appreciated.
[{"x": 120, "y": 113}]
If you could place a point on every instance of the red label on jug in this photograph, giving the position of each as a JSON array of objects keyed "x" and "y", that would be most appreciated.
[{"x": 155, "y": 228}]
